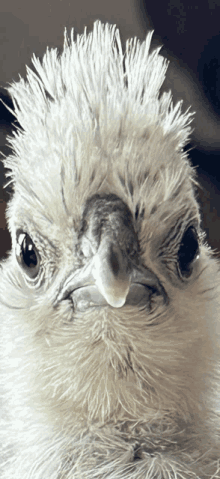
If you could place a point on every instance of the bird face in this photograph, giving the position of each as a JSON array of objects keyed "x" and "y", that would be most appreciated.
[
  {"x": 110, "y": 270},
  {"x": 107, "y": 256},
  {"x": 101, "y": 295}
]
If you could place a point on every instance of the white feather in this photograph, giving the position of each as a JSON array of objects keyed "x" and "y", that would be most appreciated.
[{"x": 84, "y": 394}]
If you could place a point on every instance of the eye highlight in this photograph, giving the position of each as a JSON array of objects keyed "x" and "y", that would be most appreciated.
[
  {"x": 188, "y": 251},
  {"x": 27, "y": 254}
]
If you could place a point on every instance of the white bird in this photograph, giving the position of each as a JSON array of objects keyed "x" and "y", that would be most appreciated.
[{"x": 109, "y": 298}]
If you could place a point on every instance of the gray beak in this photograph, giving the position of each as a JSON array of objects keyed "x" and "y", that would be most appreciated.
[{"x": 111, "y": 274}]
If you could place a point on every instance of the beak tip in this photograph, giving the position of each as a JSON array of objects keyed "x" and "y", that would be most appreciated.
[
  {"x": 113, "y": 289},
  {"x": 116, "y": 302},
  {"x": 113, "y": 297}
]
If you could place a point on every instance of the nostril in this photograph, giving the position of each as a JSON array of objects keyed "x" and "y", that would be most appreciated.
[{"x": 114, "y": 262}]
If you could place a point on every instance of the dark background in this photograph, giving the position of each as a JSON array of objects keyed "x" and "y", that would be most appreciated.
[{"x": 190, "y": 35}]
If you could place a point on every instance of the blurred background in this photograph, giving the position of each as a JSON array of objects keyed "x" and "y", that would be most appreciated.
[{"x": 189, "y": 32}]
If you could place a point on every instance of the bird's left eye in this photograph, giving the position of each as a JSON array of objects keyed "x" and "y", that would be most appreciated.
[
  {"x": 188, "y": 251},
  {"x": 27, "y": 254}
]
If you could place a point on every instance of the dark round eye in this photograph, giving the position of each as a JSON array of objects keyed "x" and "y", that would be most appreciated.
[
  {"x": 27, "y": 255},
  {"x": 188, "y": 251}
]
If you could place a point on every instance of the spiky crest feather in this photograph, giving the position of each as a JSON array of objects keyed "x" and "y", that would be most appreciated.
[{"x": 94, "y": 115}]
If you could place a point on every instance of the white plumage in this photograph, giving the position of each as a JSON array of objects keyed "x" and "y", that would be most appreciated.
[{"x": 109, "y": 299}]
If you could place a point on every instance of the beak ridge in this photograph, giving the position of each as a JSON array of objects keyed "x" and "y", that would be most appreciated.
[{"x": 111, "y": 274}]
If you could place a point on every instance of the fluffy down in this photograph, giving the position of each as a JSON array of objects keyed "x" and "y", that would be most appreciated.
[{"x": 109, "y": 298}]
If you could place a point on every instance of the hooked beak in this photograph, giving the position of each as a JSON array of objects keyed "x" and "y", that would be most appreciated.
[
  {"x": 111, "y": 278},
  {"x": 111, "y": 274}
]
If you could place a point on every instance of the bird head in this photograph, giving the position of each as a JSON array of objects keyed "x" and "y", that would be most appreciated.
[{"x": 106, "y": 273}]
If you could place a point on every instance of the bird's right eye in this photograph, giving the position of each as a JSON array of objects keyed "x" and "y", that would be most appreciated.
[
  {"x": 27, "y": 255},
  {"x": 188, "y": 251}
]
